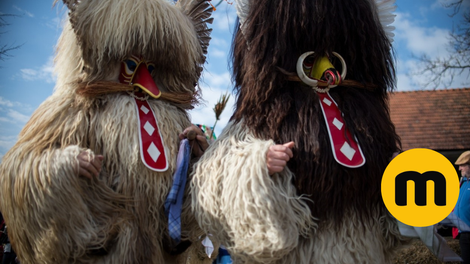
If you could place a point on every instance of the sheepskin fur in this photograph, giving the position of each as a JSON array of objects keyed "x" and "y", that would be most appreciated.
[
  {"x": 250, "y": 212},
  {"x": 261, "y": 219},
  {"x": 315, "y": 210},
  {"x": 55, "y": 216}
]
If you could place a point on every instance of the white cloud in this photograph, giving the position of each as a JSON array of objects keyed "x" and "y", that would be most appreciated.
[
  {"x": 9, "y": 112},
  {"x": 11, "y": 122},
  {"x": 29, "y": 74},
  {"x": 411, "y": 42},
  {"x": 55, "y": 23},
  {"x": 219, "y": 42},
  {"x": 421, "y": 40},
  {"x": 403, "y": 83},
  {"x": 7, "y": 142},
  {"x": 5, "y": 102},
  {"x": 425, "y": 9},
  {"x": 23, "y": 11},
  {"x": 45, "y": 72},
  {"x": 17, "y": 116},
  {"x": 216, "y": 53},
  {"x": 217, "y": 81},
  {"x": 224, "y": 17},
  {"x": 213, "y": 87},
  {"x": 410, "y": 78}
]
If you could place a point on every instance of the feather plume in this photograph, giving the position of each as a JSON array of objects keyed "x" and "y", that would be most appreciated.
[
  {"x": 199, "y": 12},
  {"x": 243, "y": 9},
  {"x": 385, "y": 9}
]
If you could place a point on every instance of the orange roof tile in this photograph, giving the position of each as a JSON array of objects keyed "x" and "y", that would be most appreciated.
[{"x": 438, "y": 119}]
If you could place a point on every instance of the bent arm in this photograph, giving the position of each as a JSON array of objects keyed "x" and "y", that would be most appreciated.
[
  {"x": 234, "y": 197},
  {"x": 54, "y": 215}
]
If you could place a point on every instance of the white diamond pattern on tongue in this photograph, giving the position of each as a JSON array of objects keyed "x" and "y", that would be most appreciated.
[
  {"x": 346, "y": 149},
  {"x": 152, "y": 148},
  {"x": 153, "y": 152}
]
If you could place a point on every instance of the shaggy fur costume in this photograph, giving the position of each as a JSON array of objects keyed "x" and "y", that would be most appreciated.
[
  {"x": 261, "y": 218},
  {"x": 316, "y": 210},
  {"x": 55, "y": 216}
]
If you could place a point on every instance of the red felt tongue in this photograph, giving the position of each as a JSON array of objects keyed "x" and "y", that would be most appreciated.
[
  {"x": 152, "y": 149},
  {"x": 346, "y": 149}
]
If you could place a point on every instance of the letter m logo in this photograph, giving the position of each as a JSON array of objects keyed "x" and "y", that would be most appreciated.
[{"x": 420, "y": 181}]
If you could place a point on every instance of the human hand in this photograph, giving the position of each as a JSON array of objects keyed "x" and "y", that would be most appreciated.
[
  {"x": 197, "y": 140},
  {"x": 89, "y": 167},
  {"x": 278, "y": 156}
]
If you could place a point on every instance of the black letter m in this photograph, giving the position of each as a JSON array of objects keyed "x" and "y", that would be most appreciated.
[{"x": 420, "y": 187}]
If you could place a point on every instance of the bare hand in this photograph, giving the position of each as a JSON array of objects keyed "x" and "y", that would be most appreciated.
[
  {"x": 89, "y": 167},
  {"x": 278, "y": 156},
  {"x": 197, "y": 140}
]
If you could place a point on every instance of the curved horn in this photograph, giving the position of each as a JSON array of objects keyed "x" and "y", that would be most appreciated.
[
  {"x": 314, "y": 83},
  {"x": 300, "y": 70},
  {"x": 344, "y": 69}
]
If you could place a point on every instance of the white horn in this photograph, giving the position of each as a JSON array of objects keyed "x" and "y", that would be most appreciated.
[{"x": 300, "y": 70}]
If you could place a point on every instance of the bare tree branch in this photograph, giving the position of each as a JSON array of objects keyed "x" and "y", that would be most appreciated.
[
  {"x": 455, "y": 5},
  {"x": 5, "y": 48},
  {"x": 444, "y": 70}
]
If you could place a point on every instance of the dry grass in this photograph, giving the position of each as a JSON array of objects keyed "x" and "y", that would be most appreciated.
[{"x": 418, "y": 253}]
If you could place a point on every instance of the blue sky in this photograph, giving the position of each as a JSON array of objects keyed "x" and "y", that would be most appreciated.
[{"x": 422, "y": 27}]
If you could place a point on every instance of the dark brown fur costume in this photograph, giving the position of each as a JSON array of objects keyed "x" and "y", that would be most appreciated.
[
  {"x": 314, "y": 210},
  {"x": 278, "y": 32}
]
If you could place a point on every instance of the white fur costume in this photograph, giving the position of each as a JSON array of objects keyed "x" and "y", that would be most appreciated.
[
  {"x": 55, "y": 216},
  {"x": 260, "y": 219}
]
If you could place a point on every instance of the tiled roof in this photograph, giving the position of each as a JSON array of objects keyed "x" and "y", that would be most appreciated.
[{"x": 438, "y": 119}]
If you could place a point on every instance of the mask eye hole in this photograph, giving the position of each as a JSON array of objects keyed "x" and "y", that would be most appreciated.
[
  {"x": 308, "y": 62},
  {"x": 150, "y": 67},
  {"x": 131, "y": 65}
]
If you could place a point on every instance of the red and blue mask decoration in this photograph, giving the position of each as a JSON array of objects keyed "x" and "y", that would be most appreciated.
[{"x": 137, "y": 72}]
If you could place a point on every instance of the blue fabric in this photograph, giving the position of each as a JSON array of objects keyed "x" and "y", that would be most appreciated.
[
  {"x": 223, "y": 257},
  {"x": 174, "y": 201},
  {"x": 462, "y": 209}
]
